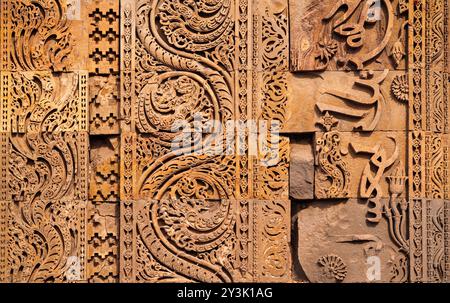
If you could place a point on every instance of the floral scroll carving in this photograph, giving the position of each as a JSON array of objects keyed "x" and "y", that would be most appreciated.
[
  {"x": 341, "y": 35},
  {"x": 46, "y": 177},
  {"x": 41, "y": 35},
  {"x": 333, "y": 177},
  {"x": 191, "y": 64},
  {"x": 182, "y": 141}
]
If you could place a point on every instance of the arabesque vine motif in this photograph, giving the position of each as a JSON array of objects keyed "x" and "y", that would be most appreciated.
[
  {"x": 46, "y": 175},
  {"x": 102, "y": 94},
  {"x": 41, "y": 34},
  {"x": 191, "y": 63}
]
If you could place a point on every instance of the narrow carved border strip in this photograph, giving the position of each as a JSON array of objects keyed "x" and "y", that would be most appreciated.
[
  {"x": 84, "y": 107},
  {"x": 417, "y": 54},
  {"x": 82, "y": 249},
  {"x": 127, "y": 241},
  {"x": 3, "y": 239},
  {"x": 5, "y": 36},
  {"x": 4, "y": 102},
  {"x": 446, "y": 241},
  {"x": 272, "y": 239},
  {"x": 128, "y": 36}
]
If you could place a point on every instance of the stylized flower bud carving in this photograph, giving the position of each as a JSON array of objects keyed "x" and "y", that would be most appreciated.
[{"x": 397, "y": 181}]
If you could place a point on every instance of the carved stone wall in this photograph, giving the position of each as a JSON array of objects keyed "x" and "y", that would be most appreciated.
[
  {"x": 115, "y": 166},
  {"x": 372, "y": 81}
]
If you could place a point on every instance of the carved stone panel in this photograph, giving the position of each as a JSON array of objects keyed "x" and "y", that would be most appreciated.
[
  {"x": 104, "y": 105},
  {"x": 339, "y": 245},
  {"x": 104, "y": 169},
  {"x": 103, "y": 16},
  {"x": 224, "y": 141},
  {"x": 36, "y": 102},
  {"x": 429, "y": 238},
  {"x": 361, "y": 101},
  {"x": 43, "y": 35},
  {"x": 271, "y": 170},
  {"x": 355, "y": 34},
  {"x": 205, "y": 241},
  {"x": 352, "y": 165},
  {"x": 102, "y": 237},
  {"x": 177, "y": 69},
  {"x": 46, "y": 178}
]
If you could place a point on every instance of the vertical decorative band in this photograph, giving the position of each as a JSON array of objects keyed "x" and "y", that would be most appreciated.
[
  {"x": 416, "y": 239},
  {"x": 82, "y": 249},
  {"x": 127, "y": 226},
  {"x": 4, "y": 102},
  {"x": 256, "y": 89},
  {"x": 3, "y": 196},
  {"x": 4, "y": 135},
  {"x": 5, "y": 35},
  {"x": 3, "y": 240},
  {"x": 272, "y": 240},
  {"x": 416, "y": 149},
  {"x": 446, "y": 241},
  {"x": 244, "y": 228},
  {"x": 4, "y": 129},
  {"x": 242, "y": 95},
  {"x": 127, "y": 63},
  {"x": 417, "y": 57},
  {"x": 126, "y": 166},
  {"x": 127, "y": 239},
  {"x": 84, "y": 163},
  {"x": 84, "y": 93}
]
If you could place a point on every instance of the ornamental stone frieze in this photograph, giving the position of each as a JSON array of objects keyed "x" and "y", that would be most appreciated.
[{"x": 224, "y": 141}]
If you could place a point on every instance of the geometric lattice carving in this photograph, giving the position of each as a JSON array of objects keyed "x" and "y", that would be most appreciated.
[
  {"x": 104, "y": 164},
  {"x": 103, "y": 242},
  {"x": 104, "y": 105},
  {"x": 103, "y": 37}
]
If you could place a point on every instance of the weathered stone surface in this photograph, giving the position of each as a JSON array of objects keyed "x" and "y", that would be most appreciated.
[
  {"x": 352, "y": 165},
  {"x": 360, "y": 100},
  {"x": 301, "y": 170},
  {"x": 336, "y": 35},
  {"x": 104, "y": 169},
  {"x": 135, "y": 147},
  {"x": 339, "y": 245},
  {"x": 104, "y": 105},
  {"x": 102, "y": 234}
]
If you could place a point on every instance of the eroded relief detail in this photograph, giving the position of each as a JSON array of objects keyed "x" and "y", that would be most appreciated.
[
  {"x": 332, "y": 175},
  {"x": 224, "y": 141},
  {"x": 333, "y": 268},
  {"x": 102, "y": 237},
  {"x": 349, "y": 35},
  {"x": 386, "y": 106}
]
